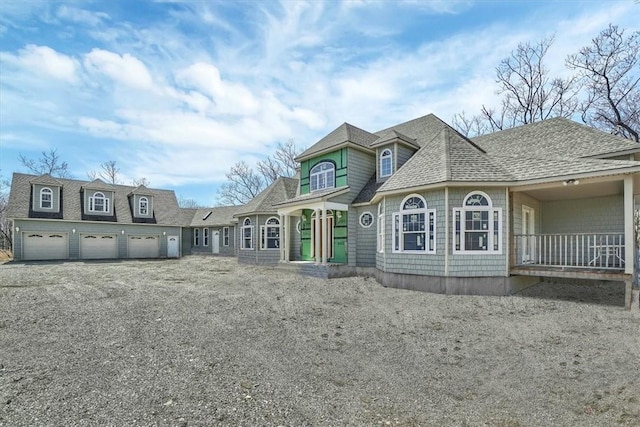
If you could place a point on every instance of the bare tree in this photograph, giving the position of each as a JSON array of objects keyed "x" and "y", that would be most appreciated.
[
  {"x": 141, "y": 181},
  {"x": 243, "y": 185},
  {"x": 530, "y": 94},
  {"x": 610, "y": 73},
  {"x": 109, "y": 172},
  {"x": 469, "y": 126},
  {"x": 50, "y": 163},
  {"x": 5, "y": 225},
  {"x": 184, "y": 202}
]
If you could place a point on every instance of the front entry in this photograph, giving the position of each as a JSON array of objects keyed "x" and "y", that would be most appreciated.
[
  {"x": 329, "y": 236},
  {"x": 215, "y": 242},
  {"x": 528, "y": 230}
]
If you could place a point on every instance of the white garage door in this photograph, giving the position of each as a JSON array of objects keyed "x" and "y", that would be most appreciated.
[
  {"x": 144, "y": 246},
  {"x": 43, "y": 246},
  {"x": 98, "y": 246}
]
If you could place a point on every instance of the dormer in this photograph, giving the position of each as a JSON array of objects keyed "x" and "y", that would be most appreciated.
[
  {"x": 98, "y": 201},
  {"x": 141, "y": 205},
  {"x": 393, "y": 149},
  {"x": 46, "y": 198}
]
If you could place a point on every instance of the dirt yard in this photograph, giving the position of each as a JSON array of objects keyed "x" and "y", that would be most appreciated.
[{"x": 204, "y": 341}]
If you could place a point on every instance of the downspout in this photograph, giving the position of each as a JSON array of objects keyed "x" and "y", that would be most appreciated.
[
  {"x": 258, "y": 238},
  {"x": 508, "y": 233}
]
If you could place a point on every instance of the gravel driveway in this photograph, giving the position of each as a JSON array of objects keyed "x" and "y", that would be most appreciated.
[{"x": 205, "y": 341}]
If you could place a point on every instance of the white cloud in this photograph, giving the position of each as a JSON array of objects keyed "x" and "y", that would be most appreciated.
[
  {"x": 81, "y": 16},
  {"x": 42, "y": 60},
  {"x": 125, "y": 69}
]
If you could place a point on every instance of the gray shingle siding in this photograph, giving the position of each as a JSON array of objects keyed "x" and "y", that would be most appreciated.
[
  {"x": 595, "y": 215},
  {"x": 364, "y": 239},
  {"x": 256, "y": 255},
  {"x": 518, "y": 201},
  {"x": 360, "y": 168},
  {"x": 403, "y": 154}
]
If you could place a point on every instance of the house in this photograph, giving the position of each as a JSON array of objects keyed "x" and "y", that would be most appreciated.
[
  {"x": 416, "y": 205},
  {"x": 55, "y": 219},
  {"x": 210, "y": 230},
  {"x": 420, "y": 206}
]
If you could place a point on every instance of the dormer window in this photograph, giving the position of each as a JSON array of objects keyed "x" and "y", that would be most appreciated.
[
  {"x": 386, "y": 163},
  {"x": 98, "y": 202},
  {"x": 46, "y": 198},
  {"x": 322, "y": 175},
  {"x": 143, "y": 206}
]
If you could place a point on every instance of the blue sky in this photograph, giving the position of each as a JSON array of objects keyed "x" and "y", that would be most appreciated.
[{"x": 178, "y": 91}]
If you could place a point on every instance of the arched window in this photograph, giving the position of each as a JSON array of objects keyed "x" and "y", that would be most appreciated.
[
  {"x": 386, "y": 163},
  {"x": 247, "y": 235},
  {"x": 414, "y": 227},
  {"x": 322, "y": 175},
  {"x": 143, "y": 206},
  {"x": 46, "y": 198},
  {"x": 270, "y": 234},
  {"x": 478, "y": 225},
  {"x": 98, "y": 202}
]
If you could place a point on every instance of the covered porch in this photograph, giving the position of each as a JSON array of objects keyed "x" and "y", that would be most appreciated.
[{"x": 577, "y": 229}]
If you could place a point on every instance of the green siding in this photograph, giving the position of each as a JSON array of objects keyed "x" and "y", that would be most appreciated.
[
  {"x": 339, "y": 158},
  {"x": 340, "y": 232}
]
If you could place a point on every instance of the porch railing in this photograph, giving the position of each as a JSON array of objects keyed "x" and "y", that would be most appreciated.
[{"x": 583, "y": 250}]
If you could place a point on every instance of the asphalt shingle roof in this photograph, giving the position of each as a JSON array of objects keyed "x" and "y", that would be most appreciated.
[
  {"x": 280, "y": 190},
  {"x": 212, "y": 217},
  {"x": 342, "y": 134},
  {"x": 165, "y": 205}
]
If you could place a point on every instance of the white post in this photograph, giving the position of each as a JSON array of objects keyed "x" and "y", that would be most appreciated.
[
  {"x": 287, "y": 238},
  {"x": 628, "y": 225},
  {"x": 325, "y": 239},
  {"x": 316, "y": 237},
  {"x": 282, "y": 236}
]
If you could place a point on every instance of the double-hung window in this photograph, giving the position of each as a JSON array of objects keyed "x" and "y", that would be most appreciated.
[
  {"x": 414, "y": 227},
  {"x": 205, "y": 237},
  {"x": 98, "y": 202},
  {"x": 246, "y": 241},
  {"x": 46, "y": 198},
  {"x": 386, "y": 163},
  {"x": 322, "y": 175},
  {"x": 478, "y": 225},
  {"x": 270, "y": 233},
  {"x": 225, "y": 236},
  {"x": 196, "y": 237},
  {"x": 143, "y": 206}
]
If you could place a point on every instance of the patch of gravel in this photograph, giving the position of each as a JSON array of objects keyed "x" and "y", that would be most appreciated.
[{"x": 205, "y": 341}]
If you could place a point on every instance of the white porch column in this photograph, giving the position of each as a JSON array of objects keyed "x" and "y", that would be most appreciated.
[
  {"x": 287, "y": 238},
  {"x": 629, "y": 242},
  {"x": 316, "y": 236},
  {"x": 325, "y": 240}
]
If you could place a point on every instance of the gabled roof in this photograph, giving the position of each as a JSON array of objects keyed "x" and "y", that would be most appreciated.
[
  {"x": 141, "y": 190},
  {"x": 213, "y": 217},
  {"x": 343, "y": 134},
  {"x": 393, "y": 135},
  {"x": 98, "y": 184},
  {"x": 165, "y": 206},
  {"x": 280, "y": 190},
  {"x": 325, "y": 193},
  {"x": 368, "y": 191},
  {"x": 46, "y": 179},
  {"x": 557, "y": 137}
]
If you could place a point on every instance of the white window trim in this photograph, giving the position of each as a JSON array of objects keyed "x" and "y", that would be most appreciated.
[
  {"x": 205, "y": 236},
  {"x": 92, "y": 202},
  {"x": 429, "y": 215},
  {"x": 140, "y": 202},
  {"x": 225, "y": 236},
  {"x": 384, "y": 157},
  {"x": 490, "y": 230},
  {"x": 50, "y": 193},
  {"x": 263, "y": 234},
  {"x": 360, "y": 219},
  {"x": 246, "y": 225},
  {"x": 327, "y": 184},
  {"x": 381, "y": 230},
  {"x": 196, "y": 237}
]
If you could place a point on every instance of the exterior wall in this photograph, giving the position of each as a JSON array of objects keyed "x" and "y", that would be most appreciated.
[
  {"x": 92, "y": 227},
  {"x": 340, "y": 237},
  {"x": 361, "y": 167},
  {"x": 229, "y": 250},
  {"x": 596, "y": 215},
  {"x": 187, "y": 241},
  {"x": 256, "y": 255},
  {"x": 477, "y": 265},
  {"x": 338, "y": 158},
  {"x": 55, "y": 198},
  {"x": 410, "y": 263},
  {"x": 404, "y": 153},
  {"x": 365, "y": 238},
  {"x": 201, "y": 248},
  {"x": 296, "y": 243}
]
